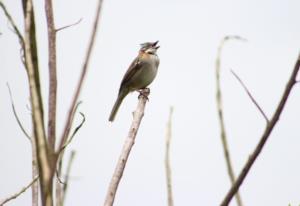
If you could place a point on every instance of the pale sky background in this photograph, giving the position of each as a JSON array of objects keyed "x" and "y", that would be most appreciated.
[{"x": 189, "y": 33}]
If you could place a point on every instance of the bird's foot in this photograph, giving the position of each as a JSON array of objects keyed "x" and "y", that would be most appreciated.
[{"x": 144, "y": 93}]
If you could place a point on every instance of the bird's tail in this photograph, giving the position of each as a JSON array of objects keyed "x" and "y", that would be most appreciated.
[{"x": 121, "y": 96}]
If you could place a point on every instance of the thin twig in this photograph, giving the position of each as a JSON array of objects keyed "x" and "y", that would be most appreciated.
[
  {"x": 59, "y": 189},
  {"x": 167, "y": 159},
  {"x": 52, "y": 76},
  {"x": 16, "y": 115},
  {"x": 82, "y": 77},
  {"x": 221, "y": 116},
  {"x": 128, "y": 144},
  {"x": 75, "y": 131},
  {"x": 250, "y": 96},
  {"x": 14, "y": 196},
  {"x": 12, "y": 22},
  {"x": 68, "y": 26},
  {"x": 265, "y": 135}
]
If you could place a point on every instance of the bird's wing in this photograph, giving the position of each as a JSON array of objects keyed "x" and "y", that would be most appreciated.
[{"x": 133, "y": 68}]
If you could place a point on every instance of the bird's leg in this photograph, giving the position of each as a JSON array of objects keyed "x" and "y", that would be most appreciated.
[{"x": 144, "y": 93}]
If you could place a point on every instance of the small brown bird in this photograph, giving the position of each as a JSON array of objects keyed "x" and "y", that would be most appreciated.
[{"x": 139, "y": 75}]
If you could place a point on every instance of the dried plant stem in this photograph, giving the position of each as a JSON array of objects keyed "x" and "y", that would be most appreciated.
[
  {"x": 269, "y": 127},
  {"x": 128, "y": 144},
  {"x": 14, "y": 196},
  {"x": 12, "y": 22},
  {"x": 35, "y": 172},
  {"x": 16, "y": 115},
  {"x": 221, "y": 116},
  {"x": 167, "y": 159},
  {"x": 67, "y": 177},
  {"x": 52, "y": 76},
  {"x": 37, "y": 107}
]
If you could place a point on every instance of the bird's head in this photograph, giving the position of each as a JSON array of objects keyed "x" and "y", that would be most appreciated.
[{"x": 149, "y": 47}]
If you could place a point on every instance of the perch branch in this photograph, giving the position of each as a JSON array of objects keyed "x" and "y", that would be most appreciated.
[
  {"x": 221, "y": 115},
  {"x": 128, "y": 144},
  {"x": 269, "y": 127},
  {"x": 14, "y": 196},
  {"x": 167, "y": 159},
  {"x": 250, "y": 96}
]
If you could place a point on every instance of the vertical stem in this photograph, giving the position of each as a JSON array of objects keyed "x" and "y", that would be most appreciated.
[
  {"x": 167, "y": 159},
  {"x": 35, "y": 172},
  {"x": 36, "y": 105},
  {"x": 52, "y": 75},
  {"x": 221, "y": 117}
]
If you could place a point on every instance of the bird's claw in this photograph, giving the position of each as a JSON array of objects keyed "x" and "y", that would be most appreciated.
[{"x": 144, "y": 93}]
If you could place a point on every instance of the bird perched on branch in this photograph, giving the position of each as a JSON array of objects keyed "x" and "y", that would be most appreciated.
[{"x": 139, "y": 75}]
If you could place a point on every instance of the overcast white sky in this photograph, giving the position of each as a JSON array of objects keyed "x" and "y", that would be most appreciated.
[{"x": 189, "y": 33}]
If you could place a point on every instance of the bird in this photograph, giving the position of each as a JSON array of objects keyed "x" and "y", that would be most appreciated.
[{"x": 141, "y": 73}]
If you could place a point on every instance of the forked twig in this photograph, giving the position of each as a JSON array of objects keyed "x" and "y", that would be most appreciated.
[
  {"x": 250, "y": 96},
  {"x": 268, "y": 129},
  {"x": 14, "y": 196}
]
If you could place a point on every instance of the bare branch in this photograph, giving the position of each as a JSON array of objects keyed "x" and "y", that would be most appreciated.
[
  {"x": 265, "y": 135},
  {"x": 221, "y": 116},
  {"x": 16, "y": 115},
  {"x": 167, "y": 159},
  {"x": 250, "y": 96},
  {"x": 82, "y": 77},
  {"x": 68, "y": 26},
  {"x": 52, "y": 76},
  {"x": 128, "y": 144},
  {"x": 14, "y": 196}
]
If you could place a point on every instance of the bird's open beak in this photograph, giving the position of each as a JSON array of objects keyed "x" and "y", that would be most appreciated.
[{"x": 154, "y": 45}]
